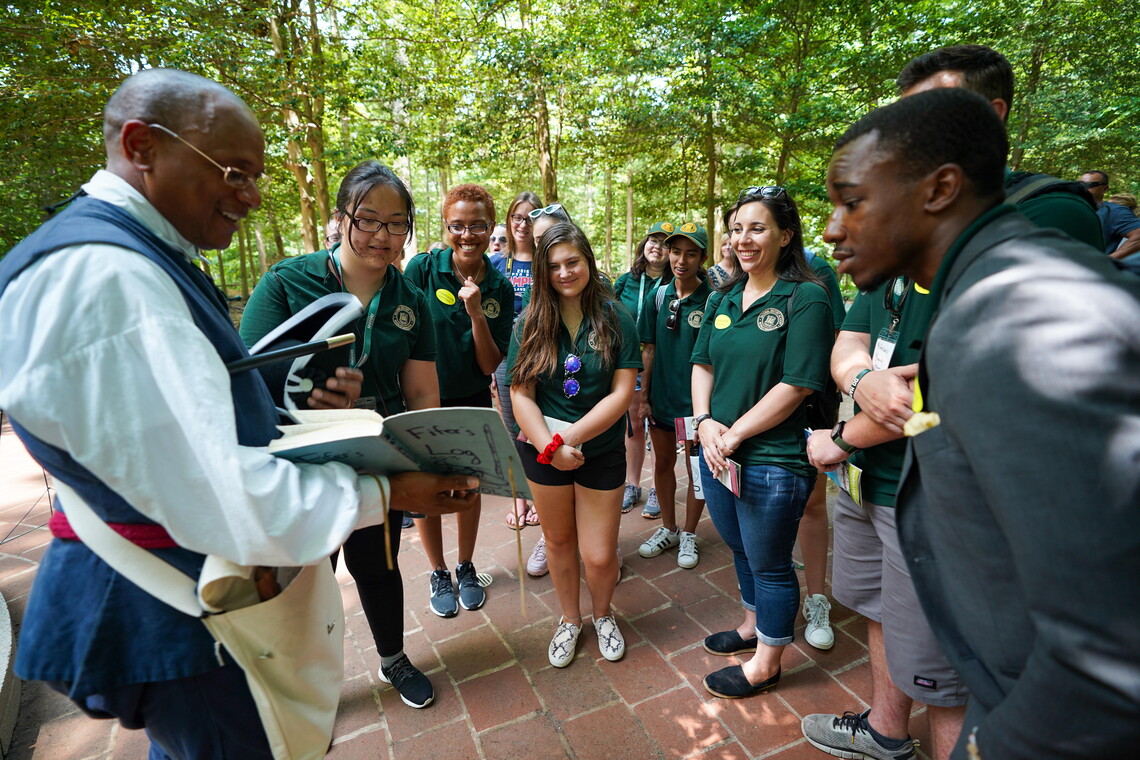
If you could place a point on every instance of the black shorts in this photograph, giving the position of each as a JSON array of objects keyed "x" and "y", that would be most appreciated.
[
  {"x": 602, "y": 472},
  {"x": 668, "y": 427},
  {"x": 480, "y": 399}
]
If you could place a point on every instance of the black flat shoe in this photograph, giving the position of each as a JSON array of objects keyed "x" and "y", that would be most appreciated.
[
  {"x": 727, "y": 643},
  {"x": 730, "y": 683}
]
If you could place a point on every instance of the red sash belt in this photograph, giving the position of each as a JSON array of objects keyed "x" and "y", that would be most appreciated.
[{"x": 146, "y": 535}]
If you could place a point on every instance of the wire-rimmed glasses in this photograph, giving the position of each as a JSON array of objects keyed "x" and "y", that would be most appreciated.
[{"x": 235, "y": 178}]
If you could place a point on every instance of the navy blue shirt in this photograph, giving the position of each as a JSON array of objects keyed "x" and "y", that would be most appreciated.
[{"x": 1117, "y": 221}]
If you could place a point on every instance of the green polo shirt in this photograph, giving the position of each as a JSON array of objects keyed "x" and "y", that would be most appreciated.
[
  {"x": 1066, "y": 212},
  {"x": 594, "y": 378},
  {"x": 402, "y": 329},
  {"x": 459, "y": 373},
  {"x": 882, "y": 464},
  {"x": 823, "y": 270},
  {"x": 671, "y": 386},
  {"x": 752, "y": 350},
  {"x": 632, "y": 289}
]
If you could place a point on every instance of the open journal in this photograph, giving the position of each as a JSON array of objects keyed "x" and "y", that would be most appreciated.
[{"x": 452, "y": 441}]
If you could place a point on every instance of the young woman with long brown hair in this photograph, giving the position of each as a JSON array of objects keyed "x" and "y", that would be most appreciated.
[{"x": 574, "y": 358}]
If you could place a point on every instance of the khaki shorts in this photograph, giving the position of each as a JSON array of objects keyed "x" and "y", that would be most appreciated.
[{"x": 870, "y": 576}]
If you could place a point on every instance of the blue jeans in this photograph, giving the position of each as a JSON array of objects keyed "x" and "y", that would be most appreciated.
[{"x": 760, "y": 527}]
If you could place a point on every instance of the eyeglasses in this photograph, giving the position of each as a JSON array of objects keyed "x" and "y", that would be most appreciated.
[
  {"x": 768, "y": 191},
  {"x": 552, "y": 208},
  {"x": 474, "y": 229},
  {"x": 373, "y": 225},
  {"x": 498, "y": 238},
  {"x": 235, "y": 178},
  {"x": 570, "y": 386},
  {"x": 1091, "y": 185},
  {"x": 520, "y": 219},
  {"x": 674, "y": 309}
]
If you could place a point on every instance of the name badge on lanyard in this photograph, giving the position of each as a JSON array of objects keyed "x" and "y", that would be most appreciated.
[{"x": 888, "y": 339}]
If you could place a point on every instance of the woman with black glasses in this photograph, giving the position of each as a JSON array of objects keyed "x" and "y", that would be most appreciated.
[
  {"x": 764, "y": 347},
  {"x": 472, "y": 308},
  {"x": 514, "y": 264},
  {"x": 572, "y": 364},
  {"x": 374, "y": 213}
]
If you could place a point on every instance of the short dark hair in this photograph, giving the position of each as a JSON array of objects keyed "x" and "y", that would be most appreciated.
[
  {"x": 359, "y": 182},
  {"x": 1101, "y": 173},
  {"x": 984, "y": 70},
  {"x": 943, "y": 126},
  {"x": 791, "y": 264}
]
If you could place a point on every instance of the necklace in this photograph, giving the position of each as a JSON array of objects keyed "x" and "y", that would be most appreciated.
[{"x": 459, "y": 272}]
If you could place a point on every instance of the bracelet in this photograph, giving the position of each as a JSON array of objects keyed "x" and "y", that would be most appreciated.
[
  {"x": 855, "y": 382},
  {"x": 547, "y": 455}
]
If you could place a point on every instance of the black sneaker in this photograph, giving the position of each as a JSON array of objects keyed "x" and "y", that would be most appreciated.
[
  {"x": 471, "y": 594},
  {"x": 413, "y": 686},
  {"x": 443, "y": 594}
]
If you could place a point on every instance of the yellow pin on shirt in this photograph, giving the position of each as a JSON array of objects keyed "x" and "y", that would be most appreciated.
[
  {"x": 445, "y": 296},
  {"x": 722, "y": 321}
]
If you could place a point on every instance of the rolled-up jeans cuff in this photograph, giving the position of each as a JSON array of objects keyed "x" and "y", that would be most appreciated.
[{"x": 769, "y": 641}]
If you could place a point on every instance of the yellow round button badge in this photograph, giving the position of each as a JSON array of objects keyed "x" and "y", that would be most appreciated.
[
  {"x": 722, "y": 321},
  {"x": 445, "y": 296}
]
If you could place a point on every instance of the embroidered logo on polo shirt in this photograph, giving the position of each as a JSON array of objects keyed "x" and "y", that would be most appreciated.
[
  {"x": 722, "y": 321},
  {"x": 403, "y": 317},
  {"x": 491, "y": 308},
  {"x": 770, "y": 319},
  {"x": 592, "y": 340},
  {"x": 696, "y": 317},
  {"x": 445, "y": 296}
]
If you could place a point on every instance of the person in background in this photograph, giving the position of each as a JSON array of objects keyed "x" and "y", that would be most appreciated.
[
  {"x": 670, "y": 322},
  {"x": 1128, "y": 200},
  {"x": 1120, "y": 226},
  {"x": 514, "y": 262},
  {"x": 650, "y": 265},
  {"x": 498, "y": 240},
  {"x": 472, "y": 308},
  {"x": 397, "y": 356},
  {"x": 574, "y": 358},
  {"x": 770, "y": 324},
  {"x": 332, "y": 232},
  {"x": 723, "y": 269}
]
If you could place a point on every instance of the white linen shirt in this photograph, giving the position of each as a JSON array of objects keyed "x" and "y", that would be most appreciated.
[{"x": 99, "y": 356}]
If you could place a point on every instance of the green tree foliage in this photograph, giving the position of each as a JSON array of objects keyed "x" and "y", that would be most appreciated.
[{"x": 627, "y": 112}]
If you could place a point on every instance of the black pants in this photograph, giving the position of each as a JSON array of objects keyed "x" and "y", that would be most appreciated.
[{"x": 381, "y": 590}]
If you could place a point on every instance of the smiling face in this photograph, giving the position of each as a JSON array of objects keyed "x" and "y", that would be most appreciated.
[
  {"x": 569, "y": 271},
  {"x": 655, "y": 253},
  {"x": 685, "y": 259},
  {"x": 877, "y": 218},
  {"x": 498, "y": 239},
  {"x": 375, "y": 250},
  {"x": 520, "y": 226},
  {"x": 189, "y": 191},
  {"x": 468, "y": 245},
  {"x": 756, "y": 238}
]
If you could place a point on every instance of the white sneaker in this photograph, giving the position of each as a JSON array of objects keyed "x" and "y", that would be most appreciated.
[
  {"x": 687, "y": 555},
  {"x": 610, "y": 640},
  {"x": 662, "y": 539},
  {"x": 536, "y": 565},
  {"x": 564, "y": 644},
  {"x": 818, "y": 632}
]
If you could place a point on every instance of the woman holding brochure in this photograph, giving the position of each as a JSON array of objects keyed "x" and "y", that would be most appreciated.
[
  {"x": 573, "y": 360},
  {"x": 375, "y": 213},
  {"x": 770, "y": 324}
]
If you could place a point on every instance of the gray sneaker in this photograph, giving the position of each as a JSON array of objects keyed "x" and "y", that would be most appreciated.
[
  {"x": 443, "y": 594},
  {"x": 652, "y": 509},
  {"x": 630, "y": 497},
  {"x": 850, "y": 736},
  {"x": 471, "y": 594},
  {"x": 817, "y": 613},
  {"x": 662, "y": 539}
]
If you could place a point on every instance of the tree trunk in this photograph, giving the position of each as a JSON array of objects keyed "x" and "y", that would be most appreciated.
[
  {"x": 546, "y": 168},
  {"x": 609, "y": 220},
  {"x": 710, "y": 176},
  {"x": 262, "y": 259},
  {"x": 315, "y": 129},
  {"x": 222, "y": 274},
  {"x": 629, "y": 222},
  {"x": 241, "y": 261},
  {"x": 1027, "y": 96},
  {"x": 278, "y": 241}
]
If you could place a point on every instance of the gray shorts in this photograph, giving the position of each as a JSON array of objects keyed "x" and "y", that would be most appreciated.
[{"x": 870, "y": 576}]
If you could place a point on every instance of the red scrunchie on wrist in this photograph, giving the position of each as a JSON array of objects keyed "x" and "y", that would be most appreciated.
[{"x": 547, "y": 455}]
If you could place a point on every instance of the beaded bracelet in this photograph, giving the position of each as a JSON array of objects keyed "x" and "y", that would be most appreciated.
[{"x": 547, "y": 455}]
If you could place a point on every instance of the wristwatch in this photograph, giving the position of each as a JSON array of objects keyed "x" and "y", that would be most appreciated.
[
  {"x": 837, "y": 439},
  {"x": 699, "y": 419}
]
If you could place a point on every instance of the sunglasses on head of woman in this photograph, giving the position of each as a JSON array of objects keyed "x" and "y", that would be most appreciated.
[
  {"x": 767, "y": 191},
  {"x": 551, "y": 209}
]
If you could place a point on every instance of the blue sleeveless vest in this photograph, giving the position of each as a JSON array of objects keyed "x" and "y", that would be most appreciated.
[{"x": 85, "y": 625}]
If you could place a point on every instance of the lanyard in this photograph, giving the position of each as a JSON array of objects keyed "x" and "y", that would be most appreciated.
[
  {"x": 893, "y": 299},
  {"x": 373, "y": 308}
]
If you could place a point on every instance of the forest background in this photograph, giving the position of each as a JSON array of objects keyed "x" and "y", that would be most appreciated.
[{"x": 627, "y": 112}]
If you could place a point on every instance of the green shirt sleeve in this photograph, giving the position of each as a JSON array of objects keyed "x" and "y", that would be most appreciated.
[
  {"x": 647, "y": 325},
  {"x": 810, "y": 337},
  {"x": 268, "y": 306},
  {"x": 630, "y": 355},
  {"x": 425, "y": 348},
  {"x": 416, "y": 271},
  {"x": 1068, "y": 213},
  {"x": 825, "y": 273},
  {"x": 701, "y": 348},
  {"x": 859, "y": 317}
]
